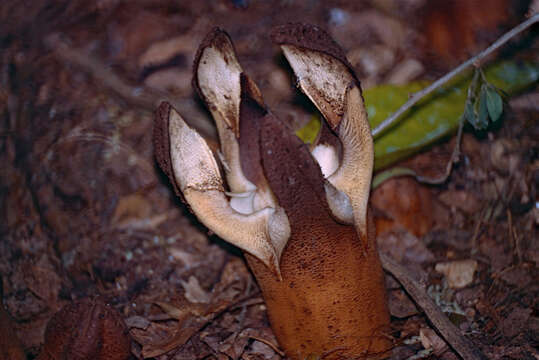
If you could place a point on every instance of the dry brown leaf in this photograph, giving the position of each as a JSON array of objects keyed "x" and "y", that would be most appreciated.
[
  {"x": 517, "y": 276},
  {"x": 193, "y": 316},
  {"x": 172, "y": 79},
  {"x": 135, "y": 211},
  {"x": 194, "y": 292},
  {"x": 459, "y": 273},
  {"x": 10, "y": 346},
  {"x": 162, "y": 51},
  {"x": 405, "y": 71},
  {"x": 400, "y": 304},
  {"x": 455, "y": 29},
  {"x": 431, "y": 340},
  {"x": 404, "y": 247},
  {"x": 404, "y": 203},
  {"x": 43, "y": 280},
  {"x": 515, "y": 321},
  {"x": 132, "y": 206},
  {"x": 86, "y": 329},
  {"x": 462, "y": 200}
]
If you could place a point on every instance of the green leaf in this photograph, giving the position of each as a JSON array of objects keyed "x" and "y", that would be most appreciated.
[
  {"x": 494, "y": 103},
  {"x": 482, "y": 116},
  {"x": 309, "y": 132},
  {"x": 469, "y": 112},
  {"x": 438, "y": 115},
  {"x": 382, "y": 176}
]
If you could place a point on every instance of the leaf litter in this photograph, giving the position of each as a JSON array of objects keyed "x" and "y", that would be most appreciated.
[{"x": 86, "y": 213}]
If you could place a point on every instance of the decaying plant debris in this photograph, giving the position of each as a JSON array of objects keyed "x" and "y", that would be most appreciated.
[{"x": 86, "y": 211}]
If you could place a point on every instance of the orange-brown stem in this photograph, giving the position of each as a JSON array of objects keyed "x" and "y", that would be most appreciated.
[{"x": 331, "y": 301}]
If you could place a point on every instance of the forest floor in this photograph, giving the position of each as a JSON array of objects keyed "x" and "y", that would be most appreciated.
[{"x": 86, "y": 212}]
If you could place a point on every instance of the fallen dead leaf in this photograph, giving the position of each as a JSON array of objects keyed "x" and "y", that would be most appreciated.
[
  {"x": 10, "y": 346},
  {"x": 135, "y": 31},
  {"x": 372, "y": 61},
  {"x": 515, "y": 321},
  {"x": 389, "y": 30},
  {"x": 188, "y": 259},
  {"x": 138, "y": 322},
  {"x": 400, "y": 304},
  {"x": 405, "y": 71},
  {"x": 462, "y": 200},
  {"x": 194, "y": 292},
  {"x": 404, "y": 202},
  {"x": 499, "y": 257},
  {"x": 173, "y": 80},
  {"x": 162, "y": 51},
  {"x": 458, "y": 273},
  {"x": 87, "y": 328},
  {"x": 235, "y": 344},
  {"x": 504, "y": 155},
  {"x": 404, "y": 247},
  {"x": 193, "y": 316},
  {"x": 129, "y": 208},
  {"x": 518, "y": 276},
  {"x": 154, "y": 333},
  {"x": 263, "y": 349},
  {"x": 430, "y": 340},
  {"x": 453, "y": 29},
  {"x": 43, "y": 280}
]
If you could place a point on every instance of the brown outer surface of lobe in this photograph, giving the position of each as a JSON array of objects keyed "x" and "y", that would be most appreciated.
[
  {"x": 161, "y": 143},
  {"x": 251, "y": 114},
  {"x": 310, "y": 37},
  {"x": 332, "y": 299}
]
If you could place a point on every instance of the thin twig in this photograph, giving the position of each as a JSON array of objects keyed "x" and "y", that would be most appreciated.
[
  {"x": 440, "y": 321},
  {"x": 393, "y": 118},
  {"x": 187, "y": 328}
]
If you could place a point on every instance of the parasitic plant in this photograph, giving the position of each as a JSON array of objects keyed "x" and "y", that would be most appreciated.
[{"x": 299, "y": 214}]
